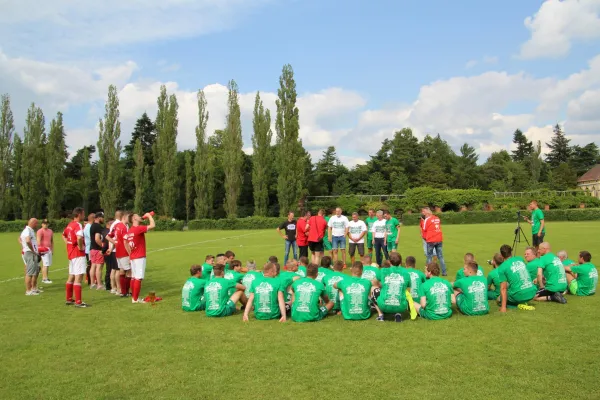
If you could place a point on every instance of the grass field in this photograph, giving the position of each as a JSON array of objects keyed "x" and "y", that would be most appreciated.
[{"x": 117, "y": 350}]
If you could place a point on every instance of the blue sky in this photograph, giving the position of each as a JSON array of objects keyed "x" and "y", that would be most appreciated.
[{"x": 472, "y": 71}]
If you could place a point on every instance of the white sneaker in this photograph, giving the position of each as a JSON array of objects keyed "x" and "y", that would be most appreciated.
[
  {"x": 47, "y": 281},
  {"x": 33, "y": 293},
  {"x": 93, "y": 286},
  {"x": 113, "y": 291},
  {"x": 28, "y": 293},
  {"x": 38, "y": 291},
  {"x": 139, "y": 301},
  {"x": 100, "y": 287}
]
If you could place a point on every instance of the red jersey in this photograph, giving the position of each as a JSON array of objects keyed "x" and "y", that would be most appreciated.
[
  {"x": 301, "y": 236},
  {"x": 318, "y": 225},
  {"x": 72, "y": 232},
  {"x": 432, "y": 228},
  {"x": 118, "y": 234},
  {"x": 422, "y": 226},
  {"x": 136, "y": 236}
]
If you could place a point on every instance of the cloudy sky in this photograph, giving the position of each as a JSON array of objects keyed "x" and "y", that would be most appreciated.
[{"x": 471, "y": 70}]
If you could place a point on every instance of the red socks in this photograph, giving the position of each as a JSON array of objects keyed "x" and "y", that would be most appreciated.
[
  {"x": 136, "y": 285},
  {"x": 128, "y": 284},
  {"x": 123, "y": 284},
  {"x": 77, "y": 290},
  {"x": 69, "y": 290}
]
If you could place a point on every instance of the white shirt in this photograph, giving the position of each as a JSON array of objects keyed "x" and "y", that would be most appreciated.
[
  {"x": 112, "y": 226},
  {"x": 28, "y": 232},
  {"x": 338, "y": 225},
  {"x": 378, "y": 229},
  {"x": 355, "y": 229}
]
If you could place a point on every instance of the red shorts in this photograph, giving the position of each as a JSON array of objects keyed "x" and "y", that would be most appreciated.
[{"x": 96, "y": 257}]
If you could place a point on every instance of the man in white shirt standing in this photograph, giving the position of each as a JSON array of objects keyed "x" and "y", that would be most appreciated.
[
  {"x": 30, "y": 257},
  {"x": 338, "y": 229},
  {"x": 379, "y": 231},
  {"x": 357, "y": 230}
]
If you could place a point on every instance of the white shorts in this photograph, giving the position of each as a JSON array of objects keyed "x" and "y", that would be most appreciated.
[
  {"x": 77, "y": 266},
  {"x": 124, "y": 263},
  {"x": 138, "y": 268},
  {"x": 47, "y": 259}
]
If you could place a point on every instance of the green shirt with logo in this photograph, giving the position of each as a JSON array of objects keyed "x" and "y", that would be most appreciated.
[
  {"x": 391, "y": 227},
  {"x": 417, "y": 278},
  {"x": 536, "y": 217},
  {"x": 329, "y": 280},
  {"x": 587, "y": 279},
  {"x": 216, "y": 295},
  {"x": 520, "y": 286},
  {"x": 554, "y": 272},
  {"x": 266, "y": 302},
  {"x": 191, "y": 294},
  {"x": 394, "y": 282},
  {"x": 307, "y": 294},
  {"x": 474, "y": 298},
  {"x": 438, "y": 293},
  {"x": 355, "y": 301}
]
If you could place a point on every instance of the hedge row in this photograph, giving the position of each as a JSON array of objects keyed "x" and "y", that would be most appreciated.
[{"x": 59, "y": 225}]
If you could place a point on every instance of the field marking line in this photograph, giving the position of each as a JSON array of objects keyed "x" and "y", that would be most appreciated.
[{"x": 156, "y": 251}]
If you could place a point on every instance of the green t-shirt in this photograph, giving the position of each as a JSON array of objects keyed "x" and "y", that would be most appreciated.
[
  {"x": 391, "y": 227},
  {"x": 234, "y": 276},
  {"x": 191, "y": 294},
  {"x": 438, "y": 293},
  {"x": 493, "y": 280},
  {"x": 355, "y": 301},
  {"x": 216, "y": 295},
  {"x": 307, "y": 293},
  {"x": 369, "y": 221},
  {"x": 587, "y": 279},
  {"x": 473, "y": 300},
  {"x": 417, "y": 278},
  {"x": 247, "y": 280},
  {"x": 301, "y": 271},
  {"x": 329, "y": 280},
  {"x": 286, "y": 278},
  {"x": 520, "y": 286},
  {"x": 554, "y": 272},
  {"x": 568, "y": 262},
  {"x": 461, "y": 273},
  {"x": 207, "y": 271},
  {"x": 394, "y": 282},
  {"x": 532, "y": 268},
  {"x": 227, "y": 266},
  {"x": 536, "y": 217},
  {"x": 370, "y": 273},
  {"x": 322, "y": 273},
  {"x": 266, "y": 303}
]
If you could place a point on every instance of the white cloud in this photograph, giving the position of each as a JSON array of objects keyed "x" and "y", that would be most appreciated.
[
  {"x": 485, "y": 60},
  {"x": 559, "y": 23},
  {"x": 471, "y": 64},
  {"x": 165, "y": 66}
]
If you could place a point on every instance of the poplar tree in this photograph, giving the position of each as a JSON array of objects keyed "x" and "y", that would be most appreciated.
[
  {"x": 189, "y": 184},
  {"x": 290, "y": 153},
  {"x": 203, "y": 168},
  {"x": 16, "y": 177},
  {"x": 7, "y": 130},
  {"x": 139, "y": 176},
  {"x": 165, "y": 152},
  {"x": 56, "y": 158},
  {"x": 109, "y": 152},
  {"x": 33, "y": 166},
  {"x": 86, "y": 179},
  {"x": 261, "y": 157},
  {"x": 232, "y": 152}
]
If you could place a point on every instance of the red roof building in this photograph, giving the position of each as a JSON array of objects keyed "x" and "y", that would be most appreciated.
[{"x": 590, "y": 181}]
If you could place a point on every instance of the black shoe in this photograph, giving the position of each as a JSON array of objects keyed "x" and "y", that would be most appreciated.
[
  {"x": 559, "y": 298},
  {"x": 82, "y": 305},
  {"x": 398, "y": 317},
  {"x": 69, "y": 302}
]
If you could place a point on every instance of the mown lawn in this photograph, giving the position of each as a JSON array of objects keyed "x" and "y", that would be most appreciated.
[{"x": 116, "y": 350}]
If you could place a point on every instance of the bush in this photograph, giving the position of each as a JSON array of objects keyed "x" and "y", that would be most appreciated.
[
  {"x": 168, "y": 225},
  {"x": 57, "y": 225},
  {"x": 247, "y": 223}
]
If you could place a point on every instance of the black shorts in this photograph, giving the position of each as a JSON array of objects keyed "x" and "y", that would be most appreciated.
[
  {"x": 352, "y": 248},
  {"x": 537, "y": 240},
  {"x": 316, "y": 247},
  {"x": 303, "y": 250},
  {"x": 111, "y": 262}
]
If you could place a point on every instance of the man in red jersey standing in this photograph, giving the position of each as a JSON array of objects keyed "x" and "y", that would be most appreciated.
[
  {"x": 117, "y": 236},
  {"x": 317, "y": 227},
  {"x": 432, "y": 229},
  {"x": 136, "y": 243},
  {"x": 73, "y": 237}
]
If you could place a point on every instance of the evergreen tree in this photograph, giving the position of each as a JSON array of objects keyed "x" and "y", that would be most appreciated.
[
  {"x": 232, "y": 152},
  {"x": 465, "y": 171},
  {"x": 327, "y": 171},
  {"x": 399, "y": 182},
  {"x": 17, "y": 180},
  {"x": 342, "y": 186},
  {"x": 85, "y": 181},
  {"x": 203, "y": 163},
  {"x": 7, "y": 130},
  {"x": 109, "y": 153},
  {"x": 432, "y": 175},
  {"x": 584, "y": 158},
  {"x": 32, "y": 170},
  {"x": 534, "y": 165},
  {"x": 145, "y": 131},
  {"x": 189, "y": 184},
  {"x": 261, "y": 157},
  {"x": 139, "y": 175},
  {"x": 563, "y": 177},
  {"x": 377, "y": 184},
  {"x": 56, "y": 158},
  {"x": 165, "y": 152},
  {"x": 524, "y": 147},
  {"x": 560, "y": 152},
  {"x": 406, "y": 155}
]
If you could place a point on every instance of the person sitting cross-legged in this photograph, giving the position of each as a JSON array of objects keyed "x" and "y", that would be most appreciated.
[
  {"x": 354, "y": 294},
  {"x": 516, "y": 286},
  {"x": 468, "y": 258},
  {"x": 390, "y": 297},
  {"x": 331, "y": 279},
  {"x": 436, "y": 295},
  {"x": 216, "y": 293},
  {"x": 306, "y": 295},
  {"x": 493, "y": 280},
  {"x": 192, "y": 294},
  {"x": 582, "y": 278},
  {"x": 266, "y": 296},
  {"x": 470, "y": 292},
  {"x": 553, "y": 271}
]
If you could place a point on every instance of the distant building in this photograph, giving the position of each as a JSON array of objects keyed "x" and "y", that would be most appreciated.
[{"x": 590, "y": 181}]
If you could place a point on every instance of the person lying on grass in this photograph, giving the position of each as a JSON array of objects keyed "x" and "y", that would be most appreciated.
[
  {"x": 192, "y": 294},
  {"x": 218, "y": 301},
  {"x": 266, "y": 296},
  {"x": 436, "y": 295},
  {"x": 306, "y": 295},
  {"x": 470, "y": 292}
]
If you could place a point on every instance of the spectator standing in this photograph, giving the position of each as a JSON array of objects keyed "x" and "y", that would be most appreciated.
[
  {"x": 538, "y": 224},
  {"x": 87, "y": 240},
  {"x": 289, "y": 235},
  {"x": 432, "y": 228},
  {"x": 316, "y": 232},
  {"x": 338, "y": 230},
  {"x": 45, "y": 239},
  {"x": 30, "y": 257},
  {"x": 379, "y": 231},
  {"x": 302, "y": 235}
]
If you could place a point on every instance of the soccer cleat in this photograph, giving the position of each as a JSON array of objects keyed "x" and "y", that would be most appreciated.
[
  {"x": 526, "y": 307},
  {"x": 82, "y": 305},
  {"x": 47, "y": 281},
  {"x": 380, "y": 318},
  {"x": 398, "y": 317},
  {"x": 69, "y": 302},
  {"x": 559, "y": 298}
]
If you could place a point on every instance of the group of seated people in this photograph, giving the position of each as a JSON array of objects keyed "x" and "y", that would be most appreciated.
[{"x": 309, "y": 292}]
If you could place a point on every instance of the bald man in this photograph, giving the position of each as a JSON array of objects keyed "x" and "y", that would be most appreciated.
[
  {"x": 552, "y": 269},
  {"x": 30, "y": 257}
]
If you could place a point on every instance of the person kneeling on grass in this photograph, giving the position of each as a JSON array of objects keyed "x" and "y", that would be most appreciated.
[
  {"x": 306, "y": 295},
  {"x": 266, "y": 296},
  {"x": 331, "y": 279},
  {"x": 391, "y": 295},
  {"x": 192, "y": 294},
  {"x": 553, "y": 270},
  {"x": 436, "y": 295},
  {"x": 216, "y": 293},
  {"x": 582, "y": 278},
  {"x": 470, "y": 292},
  {"x": 493, "y": 279},
  {"x": 354, "y": 294},
  {"x": 516, "y": 286}
]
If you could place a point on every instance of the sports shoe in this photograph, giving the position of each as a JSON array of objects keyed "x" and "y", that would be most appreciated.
[
  {"x": 82, "y": 305},
  {"x": 38, "y": 291},
  {"x": 69, "y": 302},
  {"x": 93, "y": 286},
  {"x": 526, "y": 307},
  {"x": 559, "y": 298},
  {"x": 380, "y": 318},
  {"x": 47, "y": 281},
  {"x": 100, "y": 287},
  {"x": 113, "y": 291},
  {"x": 28, "y": 293},
  {"x": 398, "y": 317},
  {"x": 124, "y": 295},
  {"x": 138, "y": 301}
]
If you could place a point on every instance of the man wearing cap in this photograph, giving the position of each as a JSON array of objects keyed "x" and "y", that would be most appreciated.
[
  {"x": 96, "y": 254},
  {"x": 44, "y": 239}
]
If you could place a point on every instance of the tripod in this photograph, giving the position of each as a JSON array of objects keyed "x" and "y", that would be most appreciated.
[{"x": 518, "y": 233}]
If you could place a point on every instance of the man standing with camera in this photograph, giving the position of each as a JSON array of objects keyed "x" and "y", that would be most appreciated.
[{"x": 538, "y": 225}]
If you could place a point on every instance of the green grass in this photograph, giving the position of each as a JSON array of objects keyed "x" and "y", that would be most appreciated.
[{"x": 117, "y": 350}]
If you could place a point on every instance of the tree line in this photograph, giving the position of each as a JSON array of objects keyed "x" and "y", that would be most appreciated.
[{"x": 217, "y": 179}]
